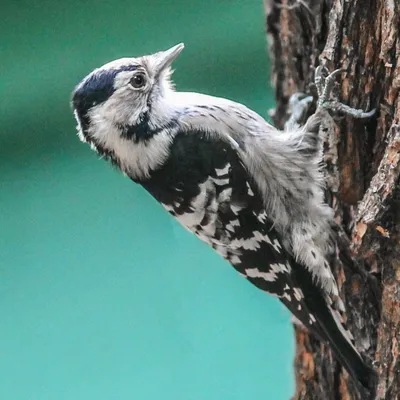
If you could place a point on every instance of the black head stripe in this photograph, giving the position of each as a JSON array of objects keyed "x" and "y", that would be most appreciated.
[{"x": 97, "y": 88}]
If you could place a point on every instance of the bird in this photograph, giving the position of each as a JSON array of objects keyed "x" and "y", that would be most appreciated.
[{"x": 254, "y": 193}]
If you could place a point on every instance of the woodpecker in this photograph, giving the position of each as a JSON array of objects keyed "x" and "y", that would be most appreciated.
[{"x": 253, "y": 193}]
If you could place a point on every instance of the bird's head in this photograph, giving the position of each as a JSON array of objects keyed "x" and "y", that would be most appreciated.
[{"x": 117, "y": 100}]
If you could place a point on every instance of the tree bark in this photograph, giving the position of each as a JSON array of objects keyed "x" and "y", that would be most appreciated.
[{"x": 363, "y": 38}]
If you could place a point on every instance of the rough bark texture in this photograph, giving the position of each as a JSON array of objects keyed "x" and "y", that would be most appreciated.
[{"x": 363, "y": 38}]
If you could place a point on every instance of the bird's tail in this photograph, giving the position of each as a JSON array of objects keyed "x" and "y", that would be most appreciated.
[
  {"x": 329, "y": 328},
  {"x": 341, "y": 342}
]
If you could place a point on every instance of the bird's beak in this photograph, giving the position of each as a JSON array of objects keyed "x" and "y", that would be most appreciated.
[{"x": 164, "y": 59}]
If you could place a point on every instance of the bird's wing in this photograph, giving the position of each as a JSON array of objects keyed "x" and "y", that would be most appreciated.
[
  {"x": 256, "y": 250},
  {"x": 284, "y": 166},
  {"x": 207, "y": 187}
]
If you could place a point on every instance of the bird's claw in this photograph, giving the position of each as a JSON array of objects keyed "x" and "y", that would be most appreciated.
[
  {"x": 354, "y": 112},
  {"x": 298, "y": 105},
  {"x": 325, "y": 82}
]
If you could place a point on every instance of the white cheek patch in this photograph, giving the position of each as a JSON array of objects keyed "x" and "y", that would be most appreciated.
[
  {"x": 136, "y": 159},
  {"x": 79, "y": 127}
]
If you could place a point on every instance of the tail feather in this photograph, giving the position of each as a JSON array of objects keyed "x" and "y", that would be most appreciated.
[
  {"x": 329, "y": 328},
  {"x": 345, "y": 351}
]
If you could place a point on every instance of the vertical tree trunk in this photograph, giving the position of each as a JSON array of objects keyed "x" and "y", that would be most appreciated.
[{"x": 363, "y": 38}]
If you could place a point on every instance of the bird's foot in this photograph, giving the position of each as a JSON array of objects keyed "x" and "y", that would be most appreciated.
[
  {"x": 298, "y": 105},
  {"x": 325, "y": 82}
]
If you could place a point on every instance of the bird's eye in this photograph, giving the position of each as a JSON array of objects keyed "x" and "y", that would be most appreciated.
[{"x": 138, "y": 80}]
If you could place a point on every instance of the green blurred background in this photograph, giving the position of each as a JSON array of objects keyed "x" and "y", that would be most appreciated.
[{"x": 102, "y": 294}]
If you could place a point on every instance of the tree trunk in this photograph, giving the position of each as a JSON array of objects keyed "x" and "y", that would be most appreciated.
[{"x": 363, "y": 38}]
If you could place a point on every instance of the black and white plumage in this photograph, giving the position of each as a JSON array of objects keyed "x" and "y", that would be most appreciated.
[{"x": 253, "y": 193}]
